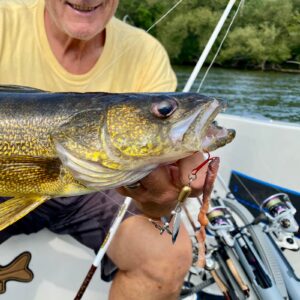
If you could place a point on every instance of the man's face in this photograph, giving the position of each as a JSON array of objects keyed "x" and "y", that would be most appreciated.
[{"x": 81, "y": 19}]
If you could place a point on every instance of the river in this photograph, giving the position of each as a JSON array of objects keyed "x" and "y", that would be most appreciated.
[{"x": 254, "y": 94}]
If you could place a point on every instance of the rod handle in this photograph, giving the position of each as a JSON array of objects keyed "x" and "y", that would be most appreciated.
[
  {"x": 237, "y": 277},
  {"x": 86, "y": 282}
]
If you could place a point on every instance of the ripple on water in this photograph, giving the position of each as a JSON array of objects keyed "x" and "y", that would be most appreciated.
[{"x": 259, "y": 95}]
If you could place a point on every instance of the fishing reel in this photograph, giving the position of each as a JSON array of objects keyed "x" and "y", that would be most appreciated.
[
  {"x": 280, "y": 212},
  {"x": 220, "y": 224}
]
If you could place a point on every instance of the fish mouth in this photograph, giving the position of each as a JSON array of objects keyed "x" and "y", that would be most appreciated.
[
  {"x": 83, "y": 8},
  {"x": 200, "y": 131},
  {"x": 216, "y": 137}
]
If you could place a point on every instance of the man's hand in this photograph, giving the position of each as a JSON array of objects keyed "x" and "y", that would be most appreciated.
[{"x": 158, "y": 192}]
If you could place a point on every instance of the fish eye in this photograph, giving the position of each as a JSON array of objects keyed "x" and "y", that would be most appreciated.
[{"x": 164, "y": 108}]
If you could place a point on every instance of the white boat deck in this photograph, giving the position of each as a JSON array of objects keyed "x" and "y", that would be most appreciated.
[{"x": 59, "y": 264}]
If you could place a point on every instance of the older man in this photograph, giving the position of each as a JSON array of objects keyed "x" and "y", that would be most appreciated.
[{"x": 79, "y": 45}]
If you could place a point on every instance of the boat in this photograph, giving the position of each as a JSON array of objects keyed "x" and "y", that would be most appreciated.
[
  {"x": 264, "y": 154},
  {"x": 262, "y": 160}
]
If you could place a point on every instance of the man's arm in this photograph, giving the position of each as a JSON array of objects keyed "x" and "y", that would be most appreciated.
[{"x": 150, "y": 266}]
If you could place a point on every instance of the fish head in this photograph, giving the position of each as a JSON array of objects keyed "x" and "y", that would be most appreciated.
[
  {"x": 159, "y": 128},
  {"x": 134, "y": 133}
]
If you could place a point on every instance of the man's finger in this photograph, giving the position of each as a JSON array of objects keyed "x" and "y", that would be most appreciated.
[{"x": 186, "y": 166}]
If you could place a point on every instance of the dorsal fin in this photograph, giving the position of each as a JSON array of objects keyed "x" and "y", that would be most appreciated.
[{"x": 18, "y": 89}]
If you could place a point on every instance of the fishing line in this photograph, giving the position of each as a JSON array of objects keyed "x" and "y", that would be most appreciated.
[
  {"x": 220, "y": 46},
  {"x": 115, "y": 202},
  {"x": 241, "y": 5},
  {"x": 162, "y": 17},
  {"x": 134, "y": 43},
  {"x": 113, "y": 62},
  {"x": 246, "y": 189}
]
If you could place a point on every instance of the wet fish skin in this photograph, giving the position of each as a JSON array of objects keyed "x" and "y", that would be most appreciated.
[
  {"x": 32, "y": 123},
  {"x": 63, "y": 144}
]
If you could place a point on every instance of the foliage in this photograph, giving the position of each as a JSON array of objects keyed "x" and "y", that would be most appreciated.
[{"x": 266, "y": 32}]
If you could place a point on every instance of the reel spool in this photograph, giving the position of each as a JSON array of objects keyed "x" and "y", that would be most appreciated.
[
  {"x": 217, "y": 217},
  {"x": 220, "y": 224},
  {"x": 279, "y": 209}
]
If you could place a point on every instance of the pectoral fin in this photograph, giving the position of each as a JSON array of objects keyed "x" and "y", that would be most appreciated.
[{"x": 16, "y": 208}]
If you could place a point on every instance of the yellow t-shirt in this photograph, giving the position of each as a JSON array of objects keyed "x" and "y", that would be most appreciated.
[{"x": 131, "y": 61}]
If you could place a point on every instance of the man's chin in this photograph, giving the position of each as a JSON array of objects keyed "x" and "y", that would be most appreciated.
[{"x": 83, "y": 33}]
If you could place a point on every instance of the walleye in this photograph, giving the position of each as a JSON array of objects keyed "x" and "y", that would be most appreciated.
[{"x": 66, "y": 144}]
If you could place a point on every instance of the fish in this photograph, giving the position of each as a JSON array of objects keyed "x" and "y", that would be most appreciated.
[{"x": 60, "y": 144}]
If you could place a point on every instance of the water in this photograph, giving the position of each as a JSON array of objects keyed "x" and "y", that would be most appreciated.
[{"x": 259, "y": 95}]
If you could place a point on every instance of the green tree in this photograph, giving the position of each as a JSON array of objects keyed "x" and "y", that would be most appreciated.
[
  {"x": 143, "y": 14},
  {"x": 266, "y": 32},
  {"x": 185, "y": 35},
  {"x": 252, "y": 46}
]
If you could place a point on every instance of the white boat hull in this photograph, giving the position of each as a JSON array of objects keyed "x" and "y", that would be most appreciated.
[{"x": 266, "y": 150}]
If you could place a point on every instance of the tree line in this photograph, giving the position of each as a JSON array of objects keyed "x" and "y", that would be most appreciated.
[{"x": 265, "y": 34}]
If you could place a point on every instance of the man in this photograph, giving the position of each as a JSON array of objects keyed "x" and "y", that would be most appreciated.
[{"x": 78, "y": 45}]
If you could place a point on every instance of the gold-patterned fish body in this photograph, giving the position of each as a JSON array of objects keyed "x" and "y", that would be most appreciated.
[{"x": 64, "y": 144}]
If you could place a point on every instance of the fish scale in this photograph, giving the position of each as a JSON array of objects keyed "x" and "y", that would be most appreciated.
[{"x": 66, "y": 144}]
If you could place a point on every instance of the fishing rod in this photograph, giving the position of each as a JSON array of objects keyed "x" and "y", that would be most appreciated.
[
  {"x": 104, "y": 246},
  {"x": 208, "y": 46}
]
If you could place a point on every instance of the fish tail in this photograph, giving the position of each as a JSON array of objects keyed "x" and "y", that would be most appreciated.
[{"x": 16, "y": 208}]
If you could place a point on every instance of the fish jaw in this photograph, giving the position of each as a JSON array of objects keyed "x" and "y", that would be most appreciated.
[
  {"x": 216, "y": 137},
  {"x": 190, "y": 131},
  {"x": 179, "y": 129},
  {"x": 199, "y": 131}
]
